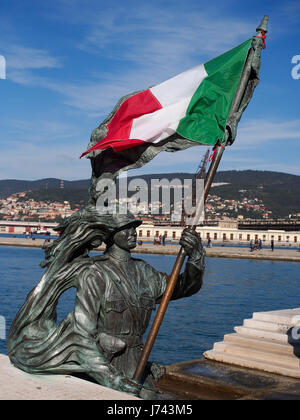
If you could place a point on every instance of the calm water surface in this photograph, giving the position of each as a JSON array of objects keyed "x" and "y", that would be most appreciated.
[{"x": 233, "y": 289}]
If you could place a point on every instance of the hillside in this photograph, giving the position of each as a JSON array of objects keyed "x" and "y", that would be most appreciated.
[
  {"x": 12, "y": 186},
  {"x": 279, "y": 192}
]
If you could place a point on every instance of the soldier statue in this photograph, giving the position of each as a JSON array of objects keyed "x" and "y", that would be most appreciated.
[{"x": 115, "y": 295}]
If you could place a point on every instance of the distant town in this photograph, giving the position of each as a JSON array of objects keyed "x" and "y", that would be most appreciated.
[
  {"x": 19, "y": 208},
  {"x": 235, "y": 195},
  {"x": 226, "y": 220}
]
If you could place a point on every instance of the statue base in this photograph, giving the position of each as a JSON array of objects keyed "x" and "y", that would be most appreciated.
[
  {"x": 209, "y": 380},
  {"x": 18, "y": 385}
]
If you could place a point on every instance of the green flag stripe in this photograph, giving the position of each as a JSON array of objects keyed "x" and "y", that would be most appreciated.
[{"x": 207, "y": 113}]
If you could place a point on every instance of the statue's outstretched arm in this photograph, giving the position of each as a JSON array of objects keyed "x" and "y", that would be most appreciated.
[{"x": 190, "y": 281}]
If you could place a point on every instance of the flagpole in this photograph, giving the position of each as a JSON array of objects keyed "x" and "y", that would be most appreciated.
[{"x": 218, "y": 153}]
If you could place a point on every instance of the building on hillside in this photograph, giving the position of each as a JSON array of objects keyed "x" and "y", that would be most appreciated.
[
  {"x": 225, "y": 232},
  {"x": 221, "y": 234}
]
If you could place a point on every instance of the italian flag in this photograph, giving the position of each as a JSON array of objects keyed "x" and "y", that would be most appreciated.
[{"x": 195, "y": 104}]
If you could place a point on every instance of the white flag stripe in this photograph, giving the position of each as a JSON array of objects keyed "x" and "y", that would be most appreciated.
[
  {"x": 174, "y": 95},
  {"x": 181, "y": 86},
  {"x": 160, "y": 124}
]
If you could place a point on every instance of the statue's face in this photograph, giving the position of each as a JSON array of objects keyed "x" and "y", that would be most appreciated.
[{"x": 126, "y": 238}]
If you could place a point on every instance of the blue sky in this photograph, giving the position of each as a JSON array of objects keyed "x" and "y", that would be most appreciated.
[{"x": 69, "y": 61}]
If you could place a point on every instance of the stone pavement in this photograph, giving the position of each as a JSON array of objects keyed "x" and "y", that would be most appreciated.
[
  {"x": 18, "y": 385},
  {"x": 270, "y": 342},
  {"x": 279, "y": 254},
  {"x": 261, "y": 361}
]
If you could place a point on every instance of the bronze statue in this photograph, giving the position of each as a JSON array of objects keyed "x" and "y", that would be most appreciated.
[{"x": 103, "y": 336}]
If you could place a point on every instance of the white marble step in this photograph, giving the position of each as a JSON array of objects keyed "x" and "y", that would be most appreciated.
[
  {"x": 287, "y": 316},
  {"x": 259, "y": 343},
  {"x": 255, "y": 332},
  {"x": 267, "y": 326},
  {"x": 252, "y": 363},
  {"x": 289, "y": 361}
]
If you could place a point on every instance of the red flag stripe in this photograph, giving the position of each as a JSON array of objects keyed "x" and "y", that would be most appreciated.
[{"x": 119, "y": 128}]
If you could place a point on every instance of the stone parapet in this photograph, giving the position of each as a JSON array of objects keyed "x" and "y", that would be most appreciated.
[
  {"x": 268, "y": 342},
  {"x": 18, "y": 385}
]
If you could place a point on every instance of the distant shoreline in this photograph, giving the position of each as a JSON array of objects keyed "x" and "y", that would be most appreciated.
[{"x": 215, "y": 251}]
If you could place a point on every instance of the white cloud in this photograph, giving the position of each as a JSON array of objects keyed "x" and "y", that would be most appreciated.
[
  {"x": 40, "y": 148},
  {"x": 25, "y": 160},
  {"x": 21, "y": 58},
  {"x": 248, "y": 151},
  {"x": 39, "y": 131},
  {"x": 256, "y": 132},
  {"x": 164, "y": 38},
  {"x": 23, "y": 62},
  {"x": 153, "y": 44},
  {"x": 31, "y": 159}
]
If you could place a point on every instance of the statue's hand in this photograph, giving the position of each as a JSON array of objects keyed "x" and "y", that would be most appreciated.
[
  {"x": 192, "y": 244},
  {"x": 130, "y": 386},
  {"x": 157, "y": 371}
]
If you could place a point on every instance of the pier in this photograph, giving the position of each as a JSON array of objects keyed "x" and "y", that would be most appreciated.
[
  {"x": 222, "y": 232},
  {"x": 259, "y": 361},
  {"x": 18, "y": 385},
  {"x": 282, "y": 253}
]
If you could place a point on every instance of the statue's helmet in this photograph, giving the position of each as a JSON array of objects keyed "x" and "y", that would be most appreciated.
[
  {"x": 122, "y": 221},
  {"x": 91, "y": 223},
  {"x": 98, "y": 217}
]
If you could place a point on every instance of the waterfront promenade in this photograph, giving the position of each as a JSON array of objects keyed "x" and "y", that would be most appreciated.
[
  {"x": 218, "y": 251},
  {"x": 18, "y": 385}
]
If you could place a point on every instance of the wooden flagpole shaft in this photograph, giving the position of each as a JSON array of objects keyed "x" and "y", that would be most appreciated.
[
  {"x": 182, "y": 254},
  {"x": 173, "y": 278}
]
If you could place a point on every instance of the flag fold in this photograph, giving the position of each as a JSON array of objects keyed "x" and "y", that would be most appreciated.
[{"x": 194, "y": 105}]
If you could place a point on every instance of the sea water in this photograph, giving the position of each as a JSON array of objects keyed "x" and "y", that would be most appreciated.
[{"x": 232, "y": 290}]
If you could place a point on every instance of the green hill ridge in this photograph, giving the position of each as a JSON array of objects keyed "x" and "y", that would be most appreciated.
[{"x": 278, "y": 191}]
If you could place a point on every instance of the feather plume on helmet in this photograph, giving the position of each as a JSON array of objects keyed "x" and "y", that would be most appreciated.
[{"x": 85, "y": 230}]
